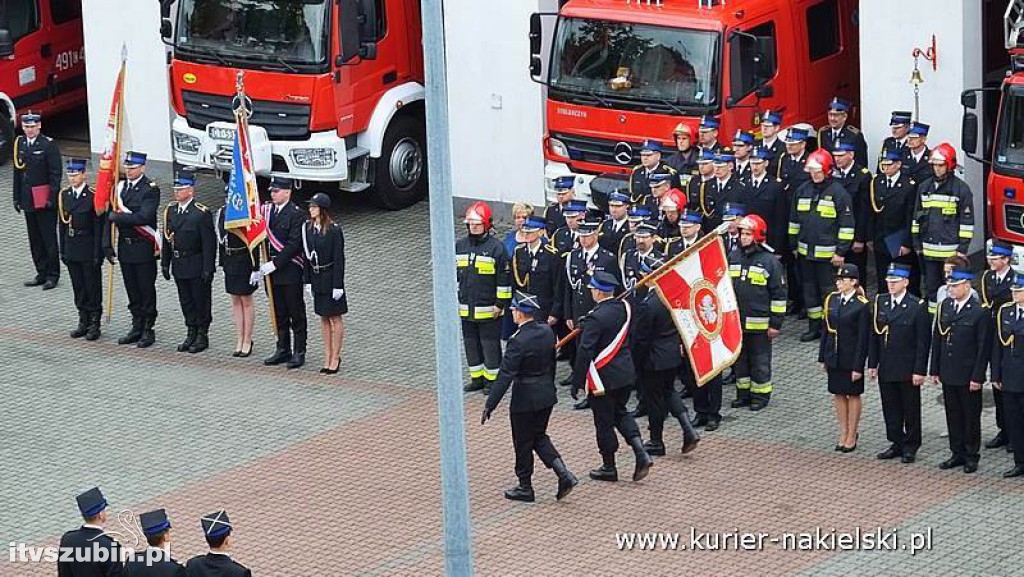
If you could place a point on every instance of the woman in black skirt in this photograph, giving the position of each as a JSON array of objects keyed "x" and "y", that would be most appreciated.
[
  {"x": 241, "y": 277},
  {"x": 843, "y": 351},
  {"x": 324, "y": 246}
]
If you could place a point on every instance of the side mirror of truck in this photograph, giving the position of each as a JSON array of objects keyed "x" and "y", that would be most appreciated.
[
  {"x": 368, "y": 32},
  {"x": 348, "y": 29},
  {"x": 969, "y": 133},
  {"x": 536, "y": 34},
  {"x": 165, "y": 8},
  {"x": 6, "y": 43},
  {"x": 969, "y": 99},
  {"x": 166, "y": 30},
  {"x": 536, "y": 66}
]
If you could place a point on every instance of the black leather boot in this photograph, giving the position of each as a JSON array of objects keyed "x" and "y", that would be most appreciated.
[
  {"x": 190, "y": 338},
  {"x": 521, "y": 492},
  {"x": 148, "y": 334},
  {"x": 202, "y": 341},
  {"x": 690, "y": 435},
  {"x": 297, "y": 360},
  {"x": 655, "y": 448},
  {"x": 813, "y": 331},
  {"x": 82, "y": 328},
  {"x": 93, "y": 330},
  {"x": 133, "y": 335},
  {"x": 475, "y": 384},
  {"x": 280, "y": 356},
  {"x": 607, "y": 470},
  {"x": 566, "y": 480},
  {"x": 643, "y": 460},
  {"x": 759, "y": 401},
  {"x": 583, "y": 404},
  {"x": 742, "y": 399}
]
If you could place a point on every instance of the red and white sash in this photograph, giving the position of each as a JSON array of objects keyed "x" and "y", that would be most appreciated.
[
  {"x": 594, "y": 384},
  {"x": 272, "y": 238},
  {"x": 152, "y": 234}
]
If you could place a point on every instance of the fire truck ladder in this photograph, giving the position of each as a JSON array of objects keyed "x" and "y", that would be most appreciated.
[{"x": 1013, "y": 23}]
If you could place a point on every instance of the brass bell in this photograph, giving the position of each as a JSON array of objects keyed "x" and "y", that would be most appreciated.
[{"x": 915, "y": 77}]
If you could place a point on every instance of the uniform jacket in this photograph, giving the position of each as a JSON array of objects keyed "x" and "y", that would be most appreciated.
[
  {"x": 847, "y": 133},
  {"x": 1008, "y": 349},
  {"x": 667, "y": 233},
  {"x": 685, "y": 163},
  {"x": 189, "y": 241},
  {"x": 215, "y": 565},
  {"x": 759, "y": 281},
  {"x": 39, "y": 165},
  {"x": 84, "y": 538},
  {"x": 529, "y": 368},
  {"x": 778, "y": 149},
  {"x": 564, "y": 240},
  {"x": 891, "y": 143},
  {"x": 702, "y": 196},
  {"x": 655, "y": 344},
  {"x": 286, "y": 225},
  {"x": 919, "y": 170},
  {"x": 235, "y": 257},
  {"x": 608, "y": 237},
  {"x": 821, "y": 221},
  {"x": 792, "y": 174},
  {"x": 742, "y": 172},
  {"x": 553, "y": 217},
  {"x": 164, "y": 567},
  {"x": 768, "y": 200},
  {"x": 900, "y": 338},
  {"x": 943, "y": 222},
  {"x": 80, "y": 229},
  {"x": 576, "y": 300},
  {"x": 890, "y": 209},
  {"x": 630, "y": 271},
  {"x": 960, "y": 343},
  {"x": 599, "y": 328},
  {"x": 143, "y": 200},
  {"x": 857, "y": 182},
  {"x": 996, "y": 293},
  {"x": 844, "y": 343},
  {"x": 735, "y": 191},
  {"x": 325, "y": 258},
  {"x": 540, "y": 274},
  {"x": 483, "y": 275},
  {"x": 639, "y": 186},
  {"x": 678, "y": 245}
]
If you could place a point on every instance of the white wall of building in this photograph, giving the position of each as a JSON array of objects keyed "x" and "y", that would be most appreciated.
[
  {"x": 890, "y": 32},
  {"x": 136, "y": 24},
  {"x": 495, "y": 110}
]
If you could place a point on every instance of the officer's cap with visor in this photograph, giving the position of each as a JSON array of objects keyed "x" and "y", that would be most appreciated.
[
  {"x": 31, "y": 118},
  {"x": 848, "y": 271},
  {"x": 690, "y": 217},
  {"x": 75, "y": 165},
  {"x": 890, "y": 156},
  {"x": 659, "y": 178},
  {"x": 639, "y": 213},
  {"x": 575, "y": 207},
  {"x": 650, "y": 146},
  {"x": 133, "y": 159},
  {"x": 960, "y": 274},
  {"x": 771, "y": 117},
  {"x": 603, "y": 281},
  {"x": 534, "y": 224},
  {"x": 897, "y": 271},
  {"x": 998, "y": 248},
  {"x": 154, "y": 522},
  {"x": 588, "y": 227},
  {"x": 733, "y": 211},
  {"x": 91, "y": 502},
  {"x": 184, "y": 179},
  {"x": 281, "y": 183},
  {"x": 563, "y": 183},
  {"x": 216, "y": 524},
  {"x": 1018, "y": 283},
  {"x": 899, "y": 118},
  {"x": 795, "y": 134},
  {"x": 618, "y": 199},
  {"x": 525, "y": 302},
  {"x": 648, "y": 228},
  {"x": 706, "y": 155},
  {"x": 918, "y": 129},
  {"x": 709, "y": 123},
  {"x": 838, "y": 105},
  {"x": 760, "y": 154}
]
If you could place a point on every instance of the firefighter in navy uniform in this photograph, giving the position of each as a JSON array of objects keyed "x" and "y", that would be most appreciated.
[
  {"x": 700, "y": 192},
  {"x": 843, "y": 352},
  {"x": 767, "y": 199},
  {"x": 759, "y": 281},
  {"x": 725, "y": 188},
  {"x": 135, "y": 217},
  {"x": 898, "y": 359},
  {"x": 610, "y": 378},
  {"x": 537, "y": 270},
  {"x": 732, "y": 213},
  {"x": 564, "y": 193},
  {"x": 615, "y": 227},
  {"x": 995, "y": 292},
  {"x": 286, "y": 268},
  {"x": 528, "y": 366},
  {"x": 155, "y": 560},
  {"x": 1008, "y": 372},
  {"x": 637, "y": 215},
  {"x": 791, "y": 166},
  {"x": 891, "y": 206},
  {"x": 190, "y": 254},
  {"x": 943, "y": 223},
  {"x": 217, "y": 530},
  {"x": 856, "y": 179},
  {"x": 81, "y": 249},
  {"x": 660, "y": 184},
  {"x": 88, "y": 539},
  {"x": 657, "y": 354},
  {"x": 650, "y": 163},
  {"x": 821, "y": 229},
  {"x": 707, "y": 134},
  {"x": 960, "y": 354},
  {"x": 742, "y": 147},
  {"x": 631, "y": 264},
  {"x": 838, "y": 130},
  {"x": 484, "y": 291},
  {"x": 916, "y": 153},
  {"x": 899, "y": 123},
  {"x": 771, "y": 120},
  {"x": 36, "y": 182},
  {"x": 565, "y": 238}
]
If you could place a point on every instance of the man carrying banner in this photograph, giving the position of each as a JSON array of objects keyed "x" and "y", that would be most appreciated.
[
  {"x": 604, "y": 366},
  {"x": 285, "y": 266},
  {"x": 36, "y": 182},
  {"x": 137, "y": 199}
]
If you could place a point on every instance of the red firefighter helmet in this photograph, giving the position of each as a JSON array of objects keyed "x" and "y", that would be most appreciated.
[
  {"x": 819, "y": 160},
  {"x": 944, "y": 154},
  {"x": 479, "y": 212},
  {"x": 755, "y": 224},
  {"x": 673, "y": 199}
]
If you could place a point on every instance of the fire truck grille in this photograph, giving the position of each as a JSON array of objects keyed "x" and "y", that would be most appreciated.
[
  {"x": 600, "y": 150},
  {"x": 1014, "y": 218},
  {"x": 283, "y": 121}
]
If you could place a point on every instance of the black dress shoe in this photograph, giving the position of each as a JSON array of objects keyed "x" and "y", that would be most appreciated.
[
  {"x": 998, "y": 441},
  {"x": 79, "y": 331},
  {"x": 333, "y": 371},
  {"x": 810, "y": 336},
  {"x": 132, "y": 337},
  {"x": 147, "y": 339},
  {"x": 654, "y": 449},
  {"x": 297, "y": 360},
  {"x": 908, "y": 458},
  {"x": 700, "y": 421},
  {"x": 839, "y": 448},
  {"x": 605, "y": 473},
  {"x": 740, "y": 402},
  {"x": 473, "y": 385},
  {"x": 1017, "y": 471},
  {"x": 757, "y": 405},
  {"x": 278, "y": 357},
  {"x": 890, "y": 453},
  {"x": 582, "y": 405},
  {"x": 49, "y": 285},
  {"x": 970, "y": 467},
  {"x": 951, "y": 462},
  {"x": 244, "y": 354},
  {"x": 520, "y": 493},
  {"x": 689, "y": 445},
  {"x": 712, "y": 425},
  {"x": 35, "y": 282}
]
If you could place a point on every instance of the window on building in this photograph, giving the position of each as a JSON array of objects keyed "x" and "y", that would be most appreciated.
[
  {"x": 823, "y": 29},
  {"x": 65, "y": 10},
  {"x": 20, "y": 17}
]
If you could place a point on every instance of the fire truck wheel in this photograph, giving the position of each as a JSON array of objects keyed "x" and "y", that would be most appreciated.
[
  {"x": 401, "y": 170},
  {"x": 6, "y": 138}
]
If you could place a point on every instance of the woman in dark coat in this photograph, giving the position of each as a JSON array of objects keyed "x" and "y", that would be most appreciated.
[
  {"x": 324, "y": 245},
  {"x": 844, "y": 350},
  {"x": 241, "y": 277}
]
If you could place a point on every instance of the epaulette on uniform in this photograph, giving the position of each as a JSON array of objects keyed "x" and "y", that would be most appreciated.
[
  {"x": 862, "y": 299},
  {"x": 853, "y": 129},
  {"x": 864, "y": 170}
]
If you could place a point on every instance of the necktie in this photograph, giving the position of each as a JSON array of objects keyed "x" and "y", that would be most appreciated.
[
  {"x": 835, "y": 135},
  {"x": 1020, "y": 313}
]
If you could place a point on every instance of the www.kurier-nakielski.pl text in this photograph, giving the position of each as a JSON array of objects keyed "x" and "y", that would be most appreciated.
[{"x": 817, "y": 539}]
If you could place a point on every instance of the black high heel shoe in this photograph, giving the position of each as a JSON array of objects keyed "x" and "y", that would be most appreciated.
[
  {"x": 240, "y": 354},
  {"x": 856, "y": 438}
]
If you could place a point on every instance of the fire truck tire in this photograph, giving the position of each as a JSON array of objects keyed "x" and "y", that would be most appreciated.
[
  {"x": 400, "y": 178},
  {"x": 6, "y": 138}
]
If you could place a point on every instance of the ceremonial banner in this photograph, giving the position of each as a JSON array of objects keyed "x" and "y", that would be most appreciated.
[
  {"x": 106, "y": 177},
  {"x": 242, "y": 212},
  {"x": 697, "y": 289}
]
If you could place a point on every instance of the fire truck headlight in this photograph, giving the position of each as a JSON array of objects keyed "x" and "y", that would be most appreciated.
[
  {"x": 314, "y": 157},
  {"x": 186, "y": 143},
  {"x": 558, "y": 148}
]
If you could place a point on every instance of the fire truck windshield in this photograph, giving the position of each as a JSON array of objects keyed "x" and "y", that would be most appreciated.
[
  {"x": 625, "y": 64},
  {"x": 284, "y": 33},
  {"x": 1009, "y": 151}
]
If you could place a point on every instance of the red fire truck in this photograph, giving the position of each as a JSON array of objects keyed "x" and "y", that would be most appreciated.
[
  {"x": 42, "y": 61},
  {"x": 336, "y": 88},
  {"x": 624, "y": 71},
  {"x": 1005, "y": 182}
]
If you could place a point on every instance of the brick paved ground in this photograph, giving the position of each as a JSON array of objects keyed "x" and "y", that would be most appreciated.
[{"x": 337, "y": 476}]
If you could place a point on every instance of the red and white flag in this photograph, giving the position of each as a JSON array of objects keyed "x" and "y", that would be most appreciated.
[{"x": 697, "y": 289}]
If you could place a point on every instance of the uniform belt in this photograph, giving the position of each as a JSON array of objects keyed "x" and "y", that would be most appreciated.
[
  {"x": 183, "y": 253},
  {"x": 319, "y": 267},
  {"x": 232, "y": 250},
  {"x": 131, "y": 239},
  {"x": 73, "y": 232}
]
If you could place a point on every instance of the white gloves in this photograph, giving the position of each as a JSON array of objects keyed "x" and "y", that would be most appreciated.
[
  {"x": 254, "y": 278},
  {"x": 336, "y": 294},
  {"x": 267, "y": 268},
  {"x": 309, "y": 290}
]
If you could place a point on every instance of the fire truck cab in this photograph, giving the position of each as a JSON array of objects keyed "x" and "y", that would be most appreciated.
[
  {"x": 42, "y": 61},
  {"x": 336, "y": 90},
  {"x": 624, "y": 71}
]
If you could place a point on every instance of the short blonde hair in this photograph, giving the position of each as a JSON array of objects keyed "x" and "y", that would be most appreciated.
[{"x": 520, "y": 207}]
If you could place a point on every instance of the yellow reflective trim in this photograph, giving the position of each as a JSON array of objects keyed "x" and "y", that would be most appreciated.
[
  {"x": 743, "y": 384},
  {"x": 779, "y": 309},
  {"x": 756, "y": 326},
  {"x": 484, "y": 267},
  {"x": 814, "y": 313},
  {"x": 462, "y": 260},
  {"x": 794, "y": 228},
  {"x": 504, "y": 292},
  {"x": 761, "y": 388}
]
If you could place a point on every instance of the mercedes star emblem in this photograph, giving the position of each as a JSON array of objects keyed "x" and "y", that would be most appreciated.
[{"x": 623, "y": 153}]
